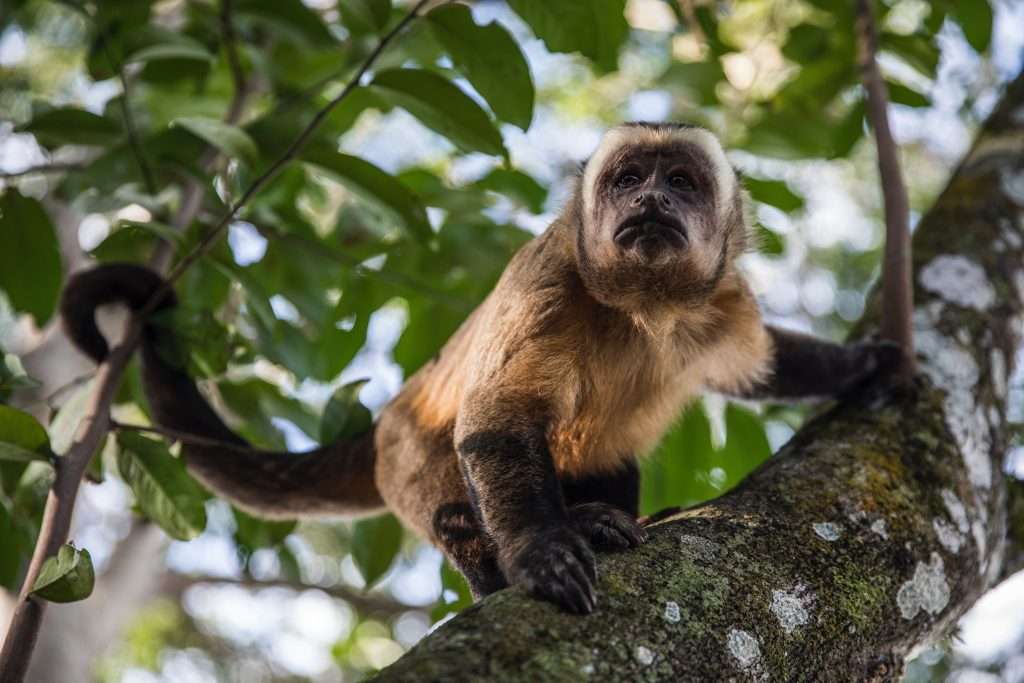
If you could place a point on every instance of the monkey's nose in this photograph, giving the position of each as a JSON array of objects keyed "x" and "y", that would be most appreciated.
[{"x": 653, "y": 199}]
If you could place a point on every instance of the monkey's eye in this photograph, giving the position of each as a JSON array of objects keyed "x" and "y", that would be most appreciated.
[
  {"x": 680, "y": 182},
  {"x": 627, "y": 180}
]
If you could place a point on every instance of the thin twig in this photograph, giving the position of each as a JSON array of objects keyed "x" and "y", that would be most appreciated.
[
  {"x": 897, "y": 286},
  {"x": 230, "y": 42},
  {"x": 74, "y": 383},
  {"x": 55, "y": 167},
  {"x": 690, "y": 12},
  {"x": 293, "y": 150},
  {"x": 365, "y": 603},
  {"x": 129, "y": 120},
  {"x": 175, "y": 435}
]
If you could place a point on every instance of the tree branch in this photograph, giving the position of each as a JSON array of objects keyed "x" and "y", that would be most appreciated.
[
  {"x": 53, "y": 167},
  {"x": 898, "y": 302},
  {"x": 687, "y": 9},
  {"x": 56, "y": 522},
  {"x": 365, "y": 603},
  {"x": 870, "y": 533}
]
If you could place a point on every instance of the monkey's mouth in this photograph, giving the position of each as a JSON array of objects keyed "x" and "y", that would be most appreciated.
[{"x": 651, "y": 230}]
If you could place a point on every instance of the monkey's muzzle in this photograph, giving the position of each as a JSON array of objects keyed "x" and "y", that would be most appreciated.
[{"x": 651, "y": 230}]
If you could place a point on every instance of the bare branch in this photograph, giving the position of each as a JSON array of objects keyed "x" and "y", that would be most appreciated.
[
  {"x": 366, "y": 603},
  {"x": 897, "y": 286},
  {"x": 24, "y": 628}
]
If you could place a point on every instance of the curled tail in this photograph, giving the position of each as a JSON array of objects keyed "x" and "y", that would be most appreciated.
[{"x": 336, "y": 479}]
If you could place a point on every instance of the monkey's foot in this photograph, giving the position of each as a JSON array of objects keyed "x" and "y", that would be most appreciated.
[
  {"x": 606, "y": 526},
  {"x": 874, "y": 360},
  {"x": 556, "y": 565}
]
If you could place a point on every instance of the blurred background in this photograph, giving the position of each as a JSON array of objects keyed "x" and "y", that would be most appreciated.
[{"x": 338, "y": 281}]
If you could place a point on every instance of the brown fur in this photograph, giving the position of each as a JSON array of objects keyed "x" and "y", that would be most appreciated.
[{"x": 514, "y": 450}]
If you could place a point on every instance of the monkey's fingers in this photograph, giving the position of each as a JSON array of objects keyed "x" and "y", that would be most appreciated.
[
  {"x": 607, "y": 527},
  {"x": 557, "y": 565}
]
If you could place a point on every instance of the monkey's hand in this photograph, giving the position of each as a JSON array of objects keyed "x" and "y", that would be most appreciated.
[
  {"x": 557, "y": 565},
  {"x": 606, "y": 526},
  {"x": 869, "y": 361}
]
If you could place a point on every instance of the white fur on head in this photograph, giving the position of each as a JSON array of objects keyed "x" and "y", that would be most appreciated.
[{"x": 617, "y": 137}]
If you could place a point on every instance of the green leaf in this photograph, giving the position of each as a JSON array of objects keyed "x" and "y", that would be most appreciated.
[
  {"x": 255, "y": 402},
  {"x": 252, "y": 533},
  {"x": 676, "y": 474},
  {"x": 699, "y": 79},
  {"x": 11, "y": 550},
  {"x": 10, "y": 452},
  {"x": 231, "y": 140},
  {"x": 975, "y": 18},
  {"x": 451, "y": 580},
  {"x": 746, "y": 445},
  {"x": 13, "y": 375},
  {"x": 774, "y": 192},
  {"x": 365, "y": 16},
  {"x": 439, "y": 104},
  {"x": 375, "y": 543},
  {"x": 901, "y": 94},
  {"x": 490, "y": 59},
  {"x": 70, "y": 126},
  {"x": 769, "y": 242},
  {"x": 179, "y": 50},
  {"x": 30, "y": 269},
  {"x": 67, "y": 577},
  {"x": 597, "y": 29},
  {"x": 917, "y": 51},
  {"x": 344, "y": 416},
  {"x": 163, "y": 489},
  {"x": 65, "y": 423},
  {"x": 290, "y": 19},
  {"x": 22, "y": 438},
  {"x": 373, "y": 183},
  {"x": 517, "y": 185},
  {"x": 806, "y": 43}
]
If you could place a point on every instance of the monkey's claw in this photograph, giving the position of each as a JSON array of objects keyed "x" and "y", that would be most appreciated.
[
  {"x": 557, "y": 565},
  {"x": 606, "y": 526}
]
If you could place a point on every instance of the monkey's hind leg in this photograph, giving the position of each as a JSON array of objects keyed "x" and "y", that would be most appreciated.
[
  {"x": 603, "y": 508},
  {"x": 469, "y": 548}
]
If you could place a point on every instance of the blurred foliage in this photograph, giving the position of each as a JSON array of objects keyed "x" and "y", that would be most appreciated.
[{"x": 346, "y": 234}]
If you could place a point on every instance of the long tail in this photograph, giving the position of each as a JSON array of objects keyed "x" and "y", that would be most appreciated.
[{"x": 336, "y": 479}]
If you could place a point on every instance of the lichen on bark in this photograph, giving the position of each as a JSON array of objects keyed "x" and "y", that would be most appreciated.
[{"x": 866, "y": 536}]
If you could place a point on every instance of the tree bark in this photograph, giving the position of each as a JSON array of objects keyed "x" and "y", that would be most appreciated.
[{"x": 868, "y": 535}]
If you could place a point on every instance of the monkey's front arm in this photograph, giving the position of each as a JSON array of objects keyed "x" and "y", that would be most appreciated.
[
  {"x": 806, "y": 367},
  {"x": 542, "y": 545}
]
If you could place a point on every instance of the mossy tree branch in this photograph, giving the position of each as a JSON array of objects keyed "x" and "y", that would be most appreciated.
[{"x": 872, "y": 531}]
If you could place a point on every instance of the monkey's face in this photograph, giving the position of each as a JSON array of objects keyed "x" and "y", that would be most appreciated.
[
  {"x": 653, "y": 204},
  {"x": 658, "y": 213}
]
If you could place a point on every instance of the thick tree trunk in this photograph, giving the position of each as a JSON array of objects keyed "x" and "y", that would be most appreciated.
[{"x": 872, "y": 531}]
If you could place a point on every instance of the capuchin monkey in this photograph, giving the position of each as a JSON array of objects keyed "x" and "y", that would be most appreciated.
[{"x": 515, "y": 450}]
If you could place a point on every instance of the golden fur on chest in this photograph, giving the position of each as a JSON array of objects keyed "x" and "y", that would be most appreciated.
[{"x": 610, "y": 384}]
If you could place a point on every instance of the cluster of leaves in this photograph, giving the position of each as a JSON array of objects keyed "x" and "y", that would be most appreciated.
[{"x": 345, "y": 238}]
